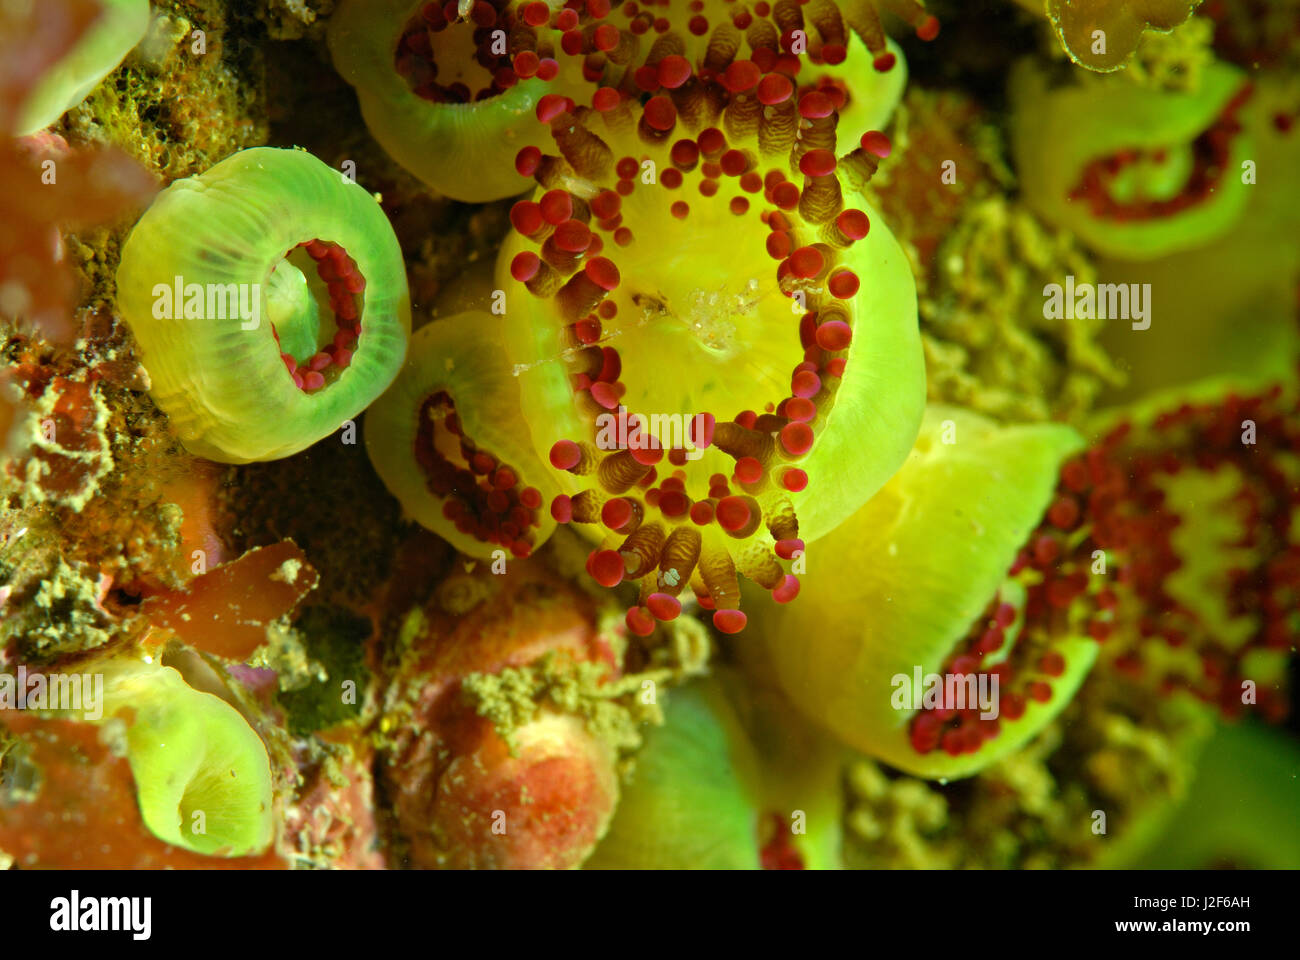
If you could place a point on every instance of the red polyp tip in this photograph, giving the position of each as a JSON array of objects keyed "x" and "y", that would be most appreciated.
[
  {"x": 640, "y": 622},
  {"x": 674, "y": 503},
  {"x": 775, "y": 88},
  {"x": 627, "y": 168},
  {"x": 729, "y": 621},
  {"x": 853, "y": 224},
  {"x": 1040, "y": 691},
  {"x": 787, "y": 590},
  {"x": 616, "y": 513},
  {"x": 565, "y": 455},
  {"x": 884, "y": 63},
  {"x": 525, "y": 266},
  {"x": 647, "y": 456},
  {"x": 567, "y": 20},
  {"x": 702, "y": 513},
  {"x": 807, "y": 262},
  {"x": 527, "y": 161},
  {"x": 873, "y": 141},
  {"x": 794, "y": 480},
  {"x": 817, "y": 163},
  {"x": 562, "y": 508},
  {"x": 605, "y": 37},
  {"x": 531, "y": 498},
  {"x": 778, "y": 245},
  {"x": 796, "y": 439},
  {"x": 734, "y": 163},
  {"x": 526, "y": 217},
  {"x": 815, "y": 105},
  {"x": 526, "y": 63},
  {"x": 834, "y": 335},
  {"x": 605, "y": 98},
  {"x": 663, "y": 606},
  {"x": 606, "y": 204},
  {"x": 741, "y": 75},
  {"x": 602, "y": 272},
  {"x": 786, "y": 195},
  {"x": 732, "y": 513},
  {"x": 572, "y": 236},
  {"x": 805, "y": 384},
  {"x": 605, "y": 394},
  {"x": 834, "y": 53},
  {"x": 536, "y": 14},
  {"x": 701, "y": 430},
  {"x": 748, "y": 470},
  {"x": 660, "y": 113},
  {"x": 551, "y": 106},
  {"x": 800, "y": 408},
  {"x": 843, "y": 284},
  {"x": 712, "y": 141},
  {"x": 1052, "y": 663},
  {"x": 556, "y": 206},
  {"x": 607, "y": 568},
  {"x": 672, "y": 71},
  {"x": 928, "y": 28},
  {"x": 598, "y": 9},
  {"x": 1005, "y": 616}
]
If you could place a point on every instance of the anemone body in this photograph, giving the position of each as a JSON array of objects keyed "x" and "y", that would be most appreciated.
[
  {"x": 448, "y": 439},
  {"x": 1137, "y": 173},
  {"x": 120, "y": 26},
  {"x": 229, "y": 281},
  {"x": 785, "y": 361},
  {"x": 203, "y": 780},
  {"x": 1120, "y": 23},
  {"x": 914, "y": 580}
]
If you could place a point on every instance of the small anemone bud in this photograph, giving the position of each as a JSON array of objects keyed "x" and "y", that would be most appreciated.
[
  {"x": 1159, "y": 174},
  {"x": 202, "y": 776},
  {"x": 119, "y": 26},
  {"x": 901, "y": 611},
  {"x": 1077, "y": 23},
  {"x": 448, "y": 440},
  {"x": 269, "y": 299}
]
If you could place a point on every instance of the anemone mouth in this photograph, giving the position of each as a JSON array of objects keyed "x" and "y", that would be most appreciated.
[
  {"x": 482, "y": 496},
  {"x": 1144, "y": 184},
  {"x": 454, "y": 53},
  {"x": 314, "y": 275}
]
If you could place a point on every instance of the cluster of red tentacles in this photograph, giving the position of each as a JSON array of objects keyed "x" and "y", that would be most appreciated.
[
  {"x": 483, "y": 497},
  {"x": 345, "y": 284},
  {"x": 1210, "y": 153},
  {"x": 1111, "y": 500}
]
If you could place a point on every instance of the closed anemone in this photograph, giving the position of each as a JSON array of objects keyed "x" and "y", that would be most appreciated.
[
  {"x": 449, "y": 440},
  {"x": 203, "y": 780},
  {"x": 269, "y": 300},
  {"x": 1137, "y": 173},
  {"x": 716, "y": 335},
  {"x": 119, "y": 26}
]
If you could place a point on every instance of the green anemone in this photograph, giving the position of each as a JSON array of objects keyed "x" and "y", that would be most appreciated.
[
  {"x": 1136, "y": 172},
  {"x": 203, "y": 780},
  {"x": 269, "y": 299},
  {"x": 120, "y": 26},
  {"x": 897, "y": 589},
  {"x": 448, "y": 439}
]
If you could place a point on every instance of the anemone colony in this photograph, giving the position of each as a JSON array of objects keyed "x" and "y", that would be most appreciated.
[{"x": 709, "y": 408}]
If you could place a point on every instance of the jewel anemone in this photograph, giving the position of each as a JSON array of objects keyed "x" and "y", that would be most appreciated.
[
  {"x": 119, "y": 26},
  {"x": 449, "y": 441},
  {"x": 315, "y": 261},
  {"x": 1137, "y": 173},
  {"x": 927, "y": 577},
  {"x": 449, "y": 89},
  {"x": 203, "y": 780},
  {"x": 710, "y": 406}
]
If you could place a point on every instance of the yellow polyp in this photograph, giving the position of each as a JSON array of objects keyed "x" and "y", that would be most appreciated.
[
  {"x": 463, "y": 150},
  {"x": 463, "y": 357}
]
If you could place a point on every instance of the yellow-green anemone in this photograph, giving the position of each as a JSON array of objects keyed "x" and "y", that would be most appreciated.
[
  {"x": 269, "y": 299},
  {"x": 913, "y": 582},
  {"x": 449, "y": 440}
]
